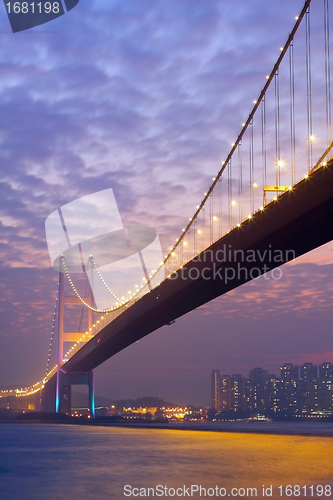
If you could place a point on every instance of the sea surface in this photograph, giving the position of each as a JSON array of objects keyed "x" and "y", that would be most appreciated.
[{"x": 51, "y": 462}]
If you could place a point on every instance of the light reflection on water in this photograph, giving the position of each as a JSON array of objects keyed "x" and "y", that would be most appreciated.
[{"x": 81, "y": 462}]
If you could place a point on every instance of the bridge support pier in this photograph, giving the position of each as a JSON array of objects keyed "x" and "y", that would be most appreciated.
[
  {"x": 64, "y": 390},
  {"x": 64, "y": 380}
]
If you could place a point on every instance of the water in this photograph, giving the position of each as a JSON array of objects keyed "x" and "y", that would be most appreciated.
[{"x": 51, "y": 462}]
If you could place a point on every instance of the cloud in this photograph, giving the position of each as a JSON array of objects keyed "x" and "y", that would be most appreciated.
[{"x": 298, "y": 289}]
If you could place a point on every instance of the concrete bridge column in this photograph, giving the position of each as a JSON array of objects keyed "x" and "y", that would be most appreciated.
[
  {"x": 64, "y": 390},
  {"x": 64, "y": 381}
]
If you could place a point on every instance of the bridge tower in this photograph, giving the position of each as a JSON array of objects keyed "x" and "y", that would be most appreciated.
[{"x": 64, "y": 380}]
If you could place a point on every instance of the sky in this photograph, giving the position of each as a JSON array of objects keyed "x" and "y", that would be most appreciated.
[{"x": 144, "y": 97}]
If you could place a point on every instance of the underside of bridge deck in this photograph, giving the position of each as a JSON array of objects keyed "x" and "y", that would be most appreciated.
[{"x": 297, "y": 222}]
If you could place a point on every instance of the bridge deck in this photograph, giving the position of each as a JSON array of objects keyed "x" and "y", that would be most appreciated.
[{"x": 300, "y": 220}]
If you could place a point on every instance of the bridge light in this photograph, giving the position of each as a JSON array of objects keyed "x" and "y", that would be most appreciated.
[
  {"x": 255, "y": 185},
  {"x": 312, "y": 137},
  {"x": 249, "y": 216},
  {"x": 199, "y": 231},
  {"x": 261, "y": 208},
  {"x": 306, "y": 176},
  {"x": 214, "y": 217},
  {"x": 185, "y": 243},
  {"x": 280, "y": 163},
  {"x": 243, "y": 124},
  {"x": 238, "y": 225},
  {"x": 233, "y": 203}
]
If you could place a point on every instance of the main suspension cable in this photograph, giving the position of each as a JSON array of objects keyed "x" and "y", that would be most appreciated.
[{"x": 52, "y": 332}]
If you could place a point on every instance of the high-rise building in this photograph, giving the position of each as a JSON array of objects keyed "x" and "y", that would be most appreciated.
[
  {"x": 225, "y": 393},
  {"x": 289, "y": 372},
  {"x": 289, "y": 397},
  {"x": 257, "y": 390},
  {"x": 237, "y": 393},
  {"x": 326, "y": 395},
  {"x": 274, "y": 389},
  {"x": 325, "y": 383},
  {"x": 326, "y": 371},
  {"x": 309, "y": 389},
  {"x": 216, "y": 390},
  {"x": 308, "y": 372}
]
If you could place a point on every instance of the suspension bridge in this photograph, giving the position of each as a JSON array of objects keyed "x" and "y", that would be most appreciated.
[{"x": 270, "y": 202}]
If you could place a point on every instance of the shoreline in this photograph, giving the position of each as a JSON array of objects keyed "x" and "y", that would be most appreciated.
[
  {"x": 306, "y": 429},
  {"x": 319, "y": 429}
]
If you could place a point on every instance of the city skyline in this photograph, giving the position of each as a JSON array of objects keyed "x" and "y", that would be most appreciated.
[{"x": 297, "y": 391}]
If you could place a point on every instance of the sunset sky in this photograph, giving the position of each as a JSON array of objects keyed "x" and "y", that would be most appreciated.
[{"x": 145, "y": 97}]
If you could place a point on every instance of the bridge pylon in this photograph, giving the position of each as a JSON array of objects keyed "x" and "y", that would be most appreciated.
[{"x": 66, "y": 380}]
